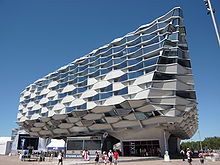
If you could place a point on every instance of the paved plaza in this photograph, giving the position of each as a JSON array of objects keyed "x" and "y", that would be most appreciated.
[{"x": 6, "y": 160}]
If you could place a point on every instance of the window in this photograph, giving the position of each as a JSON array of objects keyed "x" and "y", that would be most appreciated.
[{"x": 135, "y": 74}]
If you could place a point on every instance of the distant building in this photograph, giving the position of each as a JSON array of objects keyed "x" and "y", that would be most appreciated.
[
  {"x": 5, "y": 145},
  {"x": 138, "y": 89}
]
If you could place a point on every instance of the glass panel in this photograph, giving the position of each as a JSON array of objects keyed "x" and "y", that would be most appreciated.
[
  {"x": 150, "y": 62},
  {"x": 97, "y": 73},
  {"x": 92, "y": 58},
  {"x": 136, "y": 54},
  {"x": 123, "y": 65},
  {"x": 105, "y": 95},
  {"x": 70, "y": 109},
  {"x": 133, "y": 49},
  {"x": 117, "y": 49},
  {"x": 61, "y": 95},
  {"x": 136, "y": 67},
  {"x": 119, "y": 60},
  {"x": 104, "y": 71},
  {"x": 130, "y": 38},
  {"x": 105, "y": 59},
  {"x": 106, "y": 89},
  {"x": 122, "y": 53},
  {"x": 134, "y": 61},
  {"x": 107, "y": 64},
  {"x": 122, "y": 91},
  {"x": 135, "y": 74},
  {"x": 151, "y": 48},
  {"x": 173, "y": 36}
]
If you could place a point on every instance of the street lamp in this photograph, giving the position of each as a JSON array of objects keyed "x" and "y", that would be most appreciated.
[{"x": 211, "y": 11}]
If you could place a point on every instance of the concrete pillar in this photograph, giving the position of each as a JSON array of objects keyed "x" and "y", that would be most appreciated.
[{"x": 164, "y": 141}]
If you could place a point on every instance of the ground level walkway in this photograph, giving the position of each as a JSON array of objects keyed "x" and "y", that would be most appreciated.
[{"x": 13, "y": 160}]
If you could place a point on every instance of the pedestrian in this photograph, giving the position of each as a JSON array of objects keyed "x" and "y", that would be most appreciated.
[
  {"x": 110, "y": 155},
  {"x": 60, "y": 158},
  {"x": 96, "y": 158},
  {"x": 86, "y": 155},
  {"x": 202, "y": 159},
  {"x": 189, "y": 156},
  {"x": 182, "y": 152},
  {"x": 105, "y": 157},
  {"x": 115, "y": 156}
]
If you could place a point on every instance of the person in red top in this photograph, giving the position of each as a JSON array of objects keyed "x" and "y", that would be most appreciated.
[{"x": 115, "y": 156}]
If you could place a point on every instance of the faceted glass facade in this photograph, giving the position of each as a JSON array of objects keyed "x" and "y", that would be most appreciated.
[{"x": 141, "y": 79}]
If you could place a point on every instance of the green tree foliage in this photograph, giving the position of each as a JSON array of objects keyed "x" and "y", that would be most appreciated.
[{"x": 207, "y": 143}]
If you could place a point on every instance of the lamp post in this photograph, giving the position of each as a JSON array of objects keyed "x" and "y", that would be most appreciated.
[{"x": 211, "y": 11}]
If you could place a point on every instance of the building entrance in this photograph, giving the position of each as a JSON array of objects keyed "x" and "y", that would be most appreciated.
[{"x": 141, "y": 148}]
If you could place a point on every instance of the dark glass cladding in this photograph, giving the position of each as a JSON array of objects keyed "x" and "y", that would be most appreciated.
[{"x": 136, "y": 54}]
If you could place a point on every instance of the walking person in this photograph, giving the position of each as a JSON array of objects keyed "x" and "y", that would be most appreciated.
[
  {"x": 110, "y": 156},
  {"x": 105, "y": 157},
  {"x": 60, "y": 158},
  {"x": 115, "y": 156},
  {"x": 189, "y": 156},
  {"x": 86, "y": 155},
  {"x": 182, "y": 152},
  {"x": 96, "y": 158}
]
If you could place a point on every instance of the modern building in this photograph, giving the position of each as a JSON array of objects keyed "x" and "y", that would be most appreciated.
[{"x": 138, "y": 89}]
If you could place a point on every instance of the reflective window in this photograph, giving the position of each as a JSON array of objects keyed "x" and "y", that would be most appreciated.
[
  {"x": 135, "y": 74},
  {"x": 136, "y": 67},
  {"x": 72, "y": 67},
  {"x": 61, "y": 95},
  {"x": 97, "y": 73},
  {"x": 117, "y": 49},
  {"x": 103, "y": 60},
  {"x": 82, "y": 68},
  {"x": 70, "y": 109},
  {"x": 81, "y": 106},
  {"x": 150, "y": 62},
  {"x": 150, "y": 69},
  {"x": 84, "y": 83},
  {"x": 120, "y": 54},
  {"x": 82, "y": 78},
  {"x": 80, "y": 90},
  {"x": 173, "y": 36},
  {"x": 91, "y": 70},
  {"x": 147, "y": 37},
  {"x": 119, "y": 60},
  {"x": 122, "y": 91},
  {"x": 72, "y": 92},
  {"x": 105, "y": 71},
  {"x": 103, "y": 50},
  {"x": 106, "y": 89},
  {"x": 136, "y": 54},
  {"x": 130, "y": 38},
  {"x": 151, "y": 48},
  {"x": 121, "y": 78},
  {"x": 92, "y": 58},
  {"x": 134, "y": 61},
  {"x": 62, "y": 85},
  {"x": 105, "y": 95},
  {"x": 123, "y": 65},
  {"x": 107, "y": 64},
  {"x": 133, "y": 49},
  {"x": 137, "y": 41}
]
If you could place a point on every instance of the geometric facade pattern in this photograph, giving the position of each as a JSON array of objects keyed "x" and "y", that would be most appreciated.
[{"x": 142, "y": 79}]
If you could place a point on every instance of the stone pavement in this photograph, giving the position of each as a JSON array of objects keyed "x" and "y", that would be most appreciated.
[{"x": 6, "y": 160}]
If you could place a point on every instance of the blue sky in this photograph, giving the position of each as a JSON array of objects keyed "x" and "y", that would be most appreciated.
[{"x": 37, "y": 37}]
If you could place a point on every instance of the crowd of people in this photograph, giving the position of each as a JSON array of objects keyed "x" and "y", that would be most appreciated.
[{"x": 106, "y": 157}]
